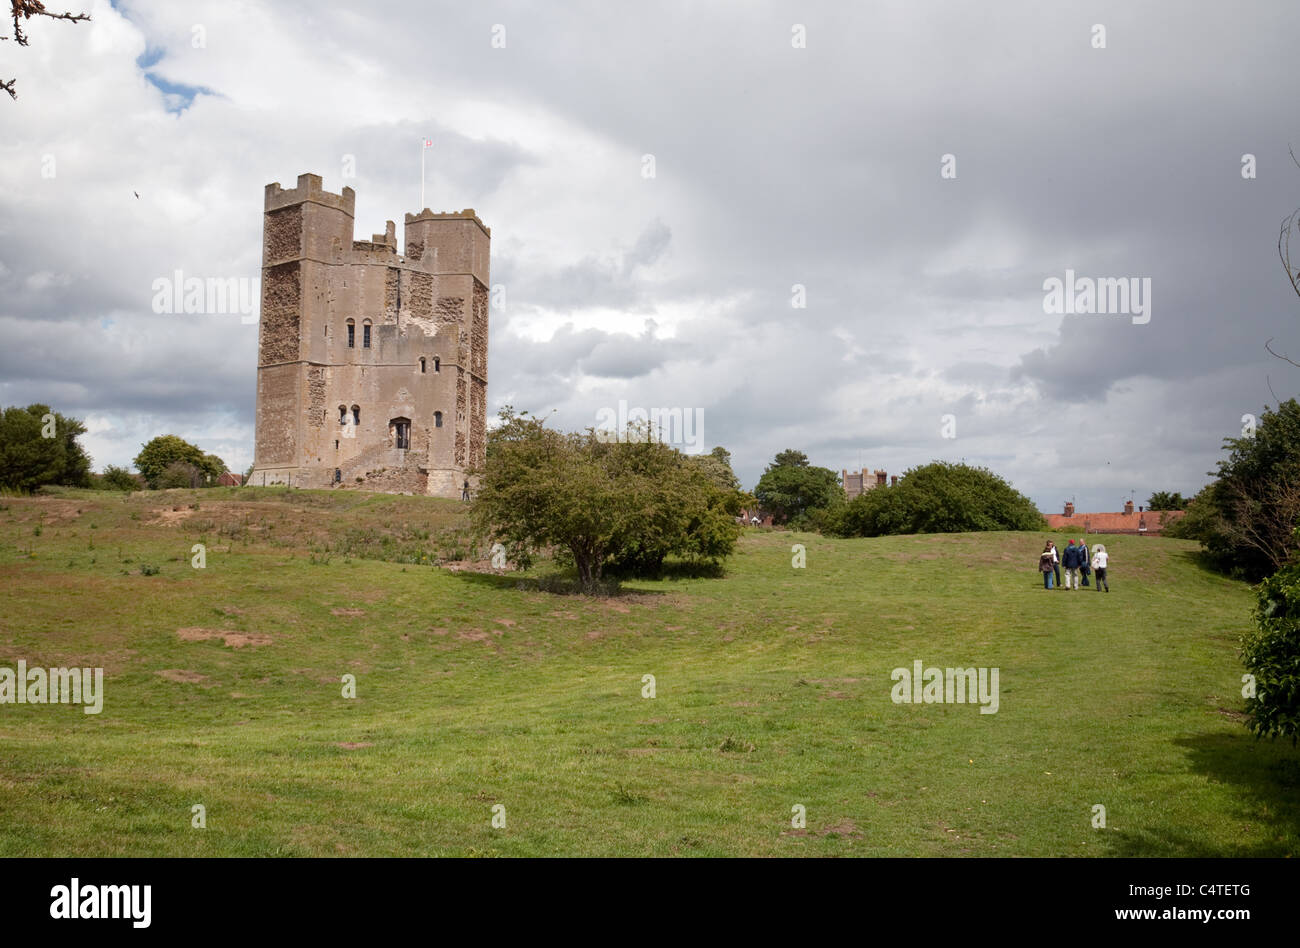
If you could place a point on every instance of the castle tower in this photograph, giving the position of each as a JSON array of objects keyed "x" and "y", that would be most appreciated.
[{"x": 371, "y": 366}]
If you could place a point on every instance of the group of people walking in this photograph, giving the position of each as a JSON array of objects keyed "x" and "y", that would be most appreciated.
[{"x": 1079, "y": 565}]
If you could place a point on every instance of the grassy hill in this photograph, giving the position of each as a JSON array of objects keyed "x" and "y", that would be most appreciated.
[{"x": 773, "y": 690}]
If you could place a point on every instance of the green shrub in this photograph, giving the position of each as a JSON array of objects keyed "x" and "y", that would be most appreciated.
[
  {"x": 1271, "y": 652},
  {"x": 939, "y": 497}
]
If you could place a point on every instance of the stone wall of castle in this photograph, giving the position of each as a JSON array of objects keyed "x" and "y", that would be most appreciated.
[{"x": 372, "y": 366}]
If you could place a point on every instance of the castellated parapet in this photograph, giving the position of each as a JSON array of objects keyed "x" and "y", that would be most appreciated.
[{"x": 371, "y": 365}]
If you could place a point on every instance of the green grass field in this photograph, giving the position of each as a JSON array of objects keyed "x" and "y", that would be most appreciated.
[{"x": 772, "y": 690}]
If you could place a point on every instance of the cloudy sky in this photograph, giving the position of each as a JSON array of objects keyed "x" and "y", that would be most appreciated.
[{"x": 775, "y": 164}]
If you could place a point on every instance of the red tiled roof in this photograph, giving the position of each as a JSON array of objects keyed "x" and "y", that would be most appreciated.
[
  {"x": 227, "y": 479},
  {"x": 1155, "y": 521}
]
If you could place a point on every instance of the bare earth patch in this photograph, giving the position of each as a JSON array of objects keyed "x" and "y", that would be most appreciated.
[
  {"x": 231, "y": 638},
  {"x": 173, "y": 516},
  {"x": 354, "y": 745},
  {"x": 351, "y": 613},
  {"x": 845, "y": 827},
  {"x": 183, "y": 676},
  {"x": 473, "y": 566}
]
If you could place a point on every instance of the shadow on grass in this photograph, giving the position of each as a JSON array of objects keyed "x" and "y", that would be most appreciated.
[
  {"x": 1206, "y": 563},
  {"x": 678, "y": 569},
  {"x": 1265, "y": 778},
  {"x": 558, "y": 584}
]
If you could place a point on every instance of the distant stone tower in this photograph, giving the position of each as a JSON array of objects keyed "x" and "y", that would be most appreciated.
[{"x": 371, "y": 367}]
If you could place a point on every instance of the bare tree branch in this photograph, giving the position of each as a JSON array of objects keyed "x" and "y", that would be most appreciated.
[
  {"x": 1279, "y": 355},
  {"x": 25, "y": 10}
]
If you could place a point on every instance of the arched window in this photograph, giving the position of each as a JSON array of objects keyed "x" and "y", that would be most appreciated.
[
  {"x": 437, "y": 419},
  {"x": 356, "y": 415},
  {"x": 423, "y": 366},
  {"x": 343, "y": 414},
  {"x": 401, "y": 433},
  {"x": 365, "y": 335},
  {"x": 437, "y": 364},
  {"x": 352, "y": 334}
]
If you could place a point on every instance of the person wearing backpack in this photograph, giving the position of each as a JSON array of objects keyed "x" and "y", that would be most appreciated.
[{"x": 1099, "y": 560}]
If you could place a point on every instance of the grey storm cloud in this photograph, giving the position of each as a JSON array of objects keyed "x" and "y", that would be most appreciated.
[{"x": 775, "y": 166}]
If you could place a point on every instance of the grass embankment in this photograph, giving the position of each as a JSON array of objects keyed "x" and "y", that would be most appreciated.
[{"x": 772, "y": 690}]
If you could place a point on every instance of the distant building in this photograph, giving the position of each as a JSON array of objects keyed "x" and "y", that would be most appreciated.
[
  {"x": 1139, "y": 522},
  {"x": 860, "y": 481},
  {"x": 755, "y": 518},
  {"x": 227, "y": 479}
]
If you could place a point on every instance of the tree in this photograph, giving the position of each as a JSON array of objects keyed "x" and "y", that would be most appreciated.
[
  {"x": 164, "y": 450},
  {"x": 791, "y": 489},
  {"x": 717, "y": 466},
  {"x": 180, "y": 474},
  {"x": 1164, "y": 500},
  {"x": 790, "y": 458},
  {"x": 939, "y": 497},
  {"x": 118, "y": 478},
  {"x": 38, "y": 447},
  {"x": 602, "y": 503},
  {"x": 25, "y": 10},
  {"x": 1245, "y": 520},
  {"x": 1271, "y": 653}
]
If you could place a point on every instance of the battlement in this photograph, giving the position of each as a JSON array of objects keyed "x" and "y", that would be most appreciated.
[
  {"x": 382, "y": 243},
  {"x": 467, "y": 214},
  {"x": 310, "y": 189}
]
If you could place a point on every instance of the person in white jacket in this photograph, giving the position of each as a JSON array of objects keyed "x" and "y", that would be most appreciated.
[{"x": 1099, "y": 559}]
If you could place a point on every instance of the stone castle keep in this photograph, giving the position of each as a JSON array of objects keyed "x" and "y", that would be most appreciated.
[{"x": 371, "y": 367}]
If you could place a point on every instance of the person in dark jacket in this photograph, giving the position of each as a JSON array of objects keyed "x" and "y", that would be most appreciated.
[
  {"x": 1045, "y": 565},
  {"x": 1084, "y": 561},
  {"x": 1071, "y": 563}
]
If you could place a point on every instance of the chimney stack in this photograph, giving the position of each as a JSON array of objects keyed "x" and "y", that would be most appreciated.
[
  {"x": 1069, "y": 508},
  {"x": 1128, "y": 507}
]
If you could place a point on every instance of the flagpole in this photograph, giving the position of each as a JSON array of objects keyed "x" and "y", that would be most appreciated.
[{"x": 423, "y": 148}]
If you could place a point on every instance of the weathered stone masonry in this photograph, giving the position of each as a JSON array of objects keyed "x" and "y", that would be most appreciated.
[{"x": 372, "y": 367}]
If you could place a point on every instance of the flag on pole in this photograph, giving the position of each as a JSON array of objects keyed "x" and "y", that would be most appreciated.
[{"x": 427, "y": 143}]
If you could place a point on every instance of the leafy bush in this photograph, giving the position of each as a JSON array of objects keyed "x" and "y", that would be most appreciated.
[
  {"x": 178, "y": 474},
  {"x": 623, "y": 504},
  {"x": 117, "y": 478},
  {"x": 162, "y": 452},
  {"x": 1245, "y": 520},
  {"x": 1271, "y": 652},
  {"x": 939, "y": 497}
]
